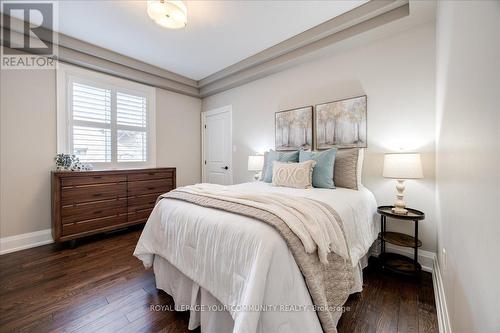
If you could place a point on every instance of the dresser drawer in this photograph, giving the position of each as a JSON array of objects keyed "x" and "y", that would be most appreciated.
[
  {"x": 89, "y": 180},
  {"x": 91, "y": 210},
  {"x": 139, "y": 216},
  {"x": 142, "y": 202},
  {"x": 91, "y": 202},
  {"x": 151, "y": 175},
  {"x": 149, "y": 186},
  {"x": 93, "y": 225},
  {"x": 78, "y": 194}
]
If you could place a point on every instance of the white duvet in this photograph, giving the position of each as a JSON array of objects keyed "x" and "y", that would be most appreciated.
[{"x": 245, "y": 263}]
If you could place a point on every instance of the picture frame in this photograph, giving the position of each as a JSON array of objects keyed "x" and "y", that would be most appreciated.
[
  {"x": 341, "y": 123},
  {"x": 293, "y": 129}
]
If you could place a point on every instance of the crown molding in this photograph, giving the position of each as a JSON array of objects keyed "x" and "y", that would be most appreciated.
[
  {"x": 96, "y": 51},
  {"x": 363, "y": 18},
  {"x": 117, "y": 69},
  {"x": 269, "y": 61},
  {"x": 74, "y": 51}
]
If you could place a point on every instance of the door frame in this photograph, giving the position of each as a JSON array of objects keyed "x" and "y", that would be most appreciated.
[{"x": 204, "y": 114}]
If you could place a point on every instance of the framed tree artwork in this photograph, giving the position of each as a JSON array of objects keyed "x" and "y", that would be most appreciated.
[
  {"x": 341, "y": 124},
  {"x": 293, "y": 129}
]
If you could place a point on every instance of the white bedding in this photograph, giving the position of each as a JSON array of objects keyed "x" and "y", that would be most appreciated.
[{"x": 243, "y": 262}]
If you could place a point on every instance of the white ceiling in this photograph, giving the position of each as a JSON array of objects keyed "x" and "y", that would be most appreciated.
[{"x": 218, "y": 33}]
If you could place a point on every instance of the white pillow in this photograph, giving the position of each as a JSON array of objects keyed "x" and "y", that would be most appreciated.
[{"x": 296, "y": 175}]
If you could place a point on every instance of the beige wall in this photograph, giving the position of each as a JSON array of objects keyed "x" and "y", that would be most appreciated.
[
  {"x": 28, "y": 145},
  {"x": 468, "y": 161},
  {"x": 178, "y": 141},
  {"x": 27, "y": 149},
  {"x": 398, "y": 75}
]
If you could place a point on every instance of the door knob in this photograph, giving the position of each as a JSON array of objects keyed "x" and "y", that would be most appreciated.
[{"x": 225, "y": 168}]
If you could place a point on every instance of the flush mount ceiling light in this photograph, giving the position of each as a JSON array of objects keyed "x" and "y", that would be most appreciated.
[{"x": 168, "y": 14}]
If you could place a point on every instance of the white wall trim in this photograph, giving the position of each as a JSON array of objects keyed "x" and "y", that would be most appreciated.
[
  {"x": 440, "y": 299},
  {"x": 25, "y": 241}
]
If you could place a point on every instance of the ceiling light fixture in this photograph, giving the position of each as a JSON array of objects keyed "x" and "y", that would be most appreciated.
[{"x": 168, "y": 14}]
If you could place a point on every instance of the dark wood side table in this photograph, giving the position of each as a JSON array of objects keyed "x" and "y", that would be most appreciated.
[{"x": 394, "y": 262}]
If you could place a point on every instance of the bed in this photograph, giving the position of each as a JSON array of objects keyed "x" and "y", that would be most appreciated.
[{"x": 235, "y": 273}]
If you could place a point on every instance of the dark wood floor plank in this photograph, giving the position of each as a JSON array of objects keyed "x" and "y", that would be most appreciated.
[
  {"x": 388, "y": 321},
  {"x": 408, "y": 309},
  {"x": 60, "y": 293},
  {"x": 114, "y": 326},
  {"x": 369, "y": 304},
  {"x": 151, "y": 322},
  {"x": 100, "y": 287},
  {"x": 390, "y": 303},
  {"x": 118, "y": 306},
  {"x": 427, "y": 314},
  {"x": 101, "y": 323}
]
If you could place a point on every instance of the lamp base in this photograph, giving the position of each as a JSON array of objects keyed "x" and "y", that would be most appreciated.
[
  {"x": 399, "y": 205},
  {"x": 399, "y": 211}
]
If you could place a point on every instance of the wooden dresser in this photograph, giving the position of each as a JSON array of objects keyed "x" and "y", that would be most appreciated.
[{"x": 90, "y": 202}]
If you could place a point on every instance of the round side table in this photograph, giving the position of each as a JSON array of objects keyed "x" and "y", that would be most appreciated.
[{"x": 394, "y": 262}]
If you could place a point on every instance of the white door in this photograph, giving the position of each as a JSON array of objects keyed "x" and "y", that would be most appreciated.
[{"x": 217, "y": 147}]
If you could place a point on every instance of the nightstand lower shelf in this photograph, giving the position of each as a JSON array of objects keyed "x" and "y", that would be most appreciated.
[
  {"x": 399, "y": 239},
  {"x": 399, "y": 264}
]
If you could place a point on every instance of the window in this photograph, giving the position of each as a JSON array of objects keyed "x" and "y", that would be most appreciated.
[{"x": 105, "y": 121}]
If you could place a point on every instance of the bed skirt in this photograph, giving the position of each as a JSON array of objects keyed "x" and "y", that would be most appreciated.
[{"x": 206, "y": 310}]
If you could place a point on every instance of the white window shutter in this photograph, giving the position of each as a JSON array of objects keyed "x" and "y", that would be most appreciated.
[
  {"x": 131, "y": 135},
  {"x": 91, "y": 103},
  {"x": 105, "y": 121},
  {"x": 91, "y": 117}
]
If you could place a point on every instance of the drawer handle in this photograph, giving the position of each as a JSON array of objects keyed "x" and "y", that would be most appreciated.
[
  {"x": 97, "y": 194},
  {"x": 151, "y": 173},
  {"x": 98, "y": 212},
  {"x": 151, "y": 188},
  {"x": 97, "y": 177}
]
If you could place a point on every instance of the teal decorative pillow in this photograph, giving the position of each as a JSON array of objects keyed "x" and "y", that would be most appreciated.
[
  {"x": 271, "y": 156},
  {"x": 323, "y": 171}
]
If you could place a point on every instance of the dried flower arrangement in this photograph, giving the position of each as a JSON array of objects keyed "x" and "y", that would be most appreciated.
[{"x": 69, "y": 162}]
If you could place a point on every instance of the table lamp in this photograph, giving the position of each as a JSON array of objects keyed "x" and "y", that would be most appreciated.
[
  {"x": 402, "y": 166},
  {"x": 255, "y": 163}
]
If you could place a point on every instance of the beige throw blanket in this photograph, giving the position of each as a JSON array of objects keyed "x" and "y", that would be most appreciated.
[
  {"x": 315, "y": 224},
  {"x": 306, "y": 225}
]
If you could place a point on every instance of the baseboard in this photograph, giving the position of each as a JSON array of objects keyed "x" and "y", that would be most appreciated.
[
  {"x": 439, "y": 295},
  {"x": 425, "y": 258},
  {"x": 25, "y": 241}
]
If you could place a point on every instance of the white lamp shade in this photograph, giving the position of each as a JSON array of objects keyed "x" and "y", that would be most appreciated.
[
  {"x": 403, "y": 166},
  {"x": 169, "y": 14},
  {"x": 255, "y": 162}
]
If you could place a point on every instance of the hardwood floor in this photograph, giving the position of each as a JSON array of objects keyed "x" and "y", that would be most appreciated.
[
  {"x": 100, "y": 287},
  {"x": 390, "y": 303}
]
